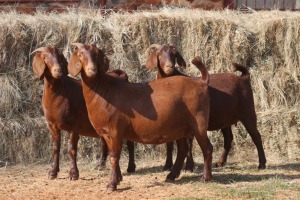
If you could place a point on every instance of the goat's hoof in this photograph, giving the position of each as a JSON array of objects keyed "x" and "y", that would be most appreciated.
[
  {"x": 74, "y": 178},
  {"x": 169, "y": 180},
  {"x": 205, "y": 179},
  {"x": 120, "y": 179},
  {"x": 189, "y": 169},
  {"x": 131, "y": 168},
  {"x": 111, "y": 187},
  {"x": 52, "y": 177},
  {"x": 167, "y": 168},
  {"x": 220, "y": 164},
  {"x": 262, "y": 166}
]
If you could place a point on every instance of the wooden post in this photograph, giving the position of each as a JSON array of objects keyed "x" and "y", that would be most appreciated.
[
  {"x": 102, "y": 6},
  {"x": 229, "y": 4}
]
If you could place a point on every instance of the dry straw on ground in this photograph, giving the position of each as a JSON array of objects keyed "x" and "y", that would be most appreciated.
[{"x": 268, "y": 43}]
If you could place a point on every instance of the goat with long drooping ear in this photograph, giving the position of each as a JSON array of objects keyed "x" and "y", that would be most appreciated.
[
  {"x": 64, "y": 107},
  {"x": 54, "y": 59},
  {"x": 231, "y": 100},
  {"x": 166, "y": 57},
  {"x": 153, "y": 113}
]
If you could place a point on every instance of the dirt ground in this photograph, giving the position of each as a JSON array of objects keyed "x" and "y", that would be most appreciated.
[{"x": 235, "y": 181}]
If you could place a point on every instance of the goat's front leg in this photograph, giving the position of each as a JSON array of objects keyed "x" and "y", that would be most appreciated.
[
  {"x": 73, "y": 173},
  {"x": 114, "y": 148},
  {"x": 55, "y": 134}
]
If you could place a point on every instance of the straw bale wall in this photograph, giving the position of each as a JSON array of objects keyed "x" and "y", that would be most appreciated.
[{"x": 266, "y": 42}]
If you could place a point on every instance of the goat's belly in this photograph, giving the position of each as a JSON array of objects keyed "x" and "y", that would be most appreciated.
[{"x": 156, "y": 135}]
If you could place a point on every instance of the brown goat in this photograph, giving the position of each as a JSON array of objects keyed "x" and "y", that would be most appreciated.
[
  {"x": 231, "y": 100},
  {"x": 152, "y": 113},
  {"x": 64, "y": 108}
]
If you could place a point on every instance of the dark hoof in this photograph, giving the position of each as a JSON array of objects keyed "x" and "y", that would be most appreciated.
[
  {"x": 189, "y": 169},
  {"x": 100, "y": 165},
  {"x": 167, "y": 168},
  {"x": 205, "y": 180},
  {"x": 261, "y": 166},
  {"x": 52, "y": 177},
  {"x": 110, "y": 187},
  {"x": 170, "y": 180},
  {"x": 52, "y": 174},
  {"x": 74, "y": 178},
  {"x": 131, "y": 168},
  {"x": 220, "y": 164}
]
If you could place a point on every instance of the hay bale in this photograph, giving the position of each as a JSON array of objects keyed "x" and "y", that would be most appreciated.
[{"x": 266, "y": 42}]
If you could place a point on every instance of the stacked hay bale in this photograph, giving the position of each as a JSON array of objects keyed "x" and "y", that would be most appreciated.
[{"x": 266, "y": 42}]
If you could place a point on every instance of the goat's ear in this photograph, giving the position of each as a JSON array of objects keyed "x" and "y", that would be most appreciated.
[
  {"x": 75, "y": 65},
  {"x": 106, "y": 63},
  {"x": 180, "y": 61},
  {"x": 151, "y": 62},
  {"x": 63, "y": 63},
  {"x": 38, "y": 66},
  {"x": 103, "y": 61}
]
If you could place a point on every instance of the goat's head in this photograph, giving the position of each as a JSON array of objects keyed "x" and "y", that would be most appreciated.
[
  {"x": 49, "y": 60},
  {"x": 87, "y": 58},
  {"x": 164, "y": 57}
]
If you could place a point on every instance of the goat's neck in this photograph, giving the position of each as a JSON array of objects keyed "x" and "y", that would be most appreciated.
[
  {"x": 161, "y": 74},
  {"x": 53, "y": 87},
  {"x": 94, "y": 85}
]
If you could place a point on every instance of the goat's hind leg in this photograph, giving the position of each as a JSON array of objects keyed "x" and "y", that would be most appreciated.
[
  {"x": 182, "y": 149},
  {"x": 228, "y": 137},
  {"x": 250, "y": 124},
  {"x": 206, "y": 147},
  {"x": 190, "y": 164},
  {"x": 103, "y": 155},
  {"x": 55, "y": 134},
  {"x": 74, "y": 172},
  {"x": 131, "y": 164}
]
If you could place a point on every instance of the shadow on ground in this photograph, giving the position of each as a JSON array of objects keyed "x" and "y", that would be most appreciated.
[{"x": 232, "y": 173}]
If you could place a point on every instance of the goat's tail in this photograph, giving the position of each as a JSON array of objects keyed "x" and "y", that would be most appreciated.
[
  {"x": 197, "y": 61},
  {"x": 241, "y": 68}
]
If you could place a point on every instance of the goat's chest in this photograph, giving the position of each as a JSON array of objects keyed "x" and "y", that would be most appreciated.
[{"x": 57, "y": 112}]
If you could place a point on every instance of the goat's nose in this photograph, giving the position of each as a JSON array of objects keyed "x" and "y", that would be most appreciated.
[
  {"x": 93, "y": 69},
  {"x": 57, "y": 70}
]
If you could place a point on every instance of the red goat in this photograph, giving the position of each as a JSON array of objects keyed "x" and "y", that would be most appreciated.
[
  {"x": 231, "y": 100},
  {"x": 152, "y": 113},
  {"x": 64, "y": 108}
]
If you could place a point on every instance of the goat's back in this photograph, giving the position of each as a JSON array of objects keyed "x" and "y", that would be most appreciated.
[{"x": 230, "y": 96}]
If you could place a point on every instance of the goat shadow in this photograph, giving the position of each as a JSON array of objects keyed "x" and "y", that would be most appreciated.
[
  {"x": 229, "y": 178},
  {"x": 135, "y": 96}
]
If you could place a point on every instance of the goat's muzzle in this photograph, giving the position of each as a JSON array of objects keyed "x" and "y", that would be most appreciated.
[
  {"x": 169, "y": 69},
  {"x": 91, "y": 71},
  {"x": 57, "y": 72}
]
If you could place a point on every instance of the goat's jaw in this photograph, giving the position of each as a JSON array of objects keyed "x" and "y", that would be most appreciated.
[
  {"x": 56, "y": 73},
  {"x": 91, "y": 73},
  {"x": 168, "y": 70}
]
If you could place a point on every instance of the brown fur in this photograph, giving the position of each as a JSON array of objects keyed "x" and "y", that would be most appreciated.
[
  {"x": 64, "y": 107},
  {"x": 231, "y": 100},
  {"x": 156, "y": 112}
]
